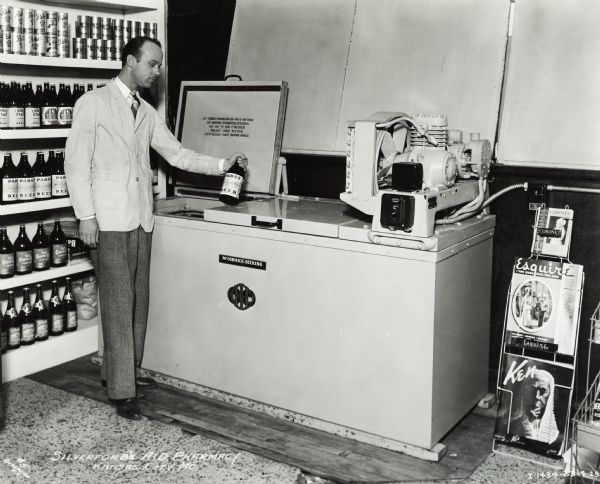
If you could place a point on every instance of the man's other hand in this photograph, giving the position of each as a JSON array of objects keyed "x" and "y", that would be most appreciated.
[
  {"x": 239, "y": 158},
  {"x": 88, "y": 232}
]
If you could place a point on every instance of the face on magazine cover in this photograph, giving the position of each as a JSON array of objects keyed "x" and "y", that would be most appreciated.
[{"x": 532, "y": 305}]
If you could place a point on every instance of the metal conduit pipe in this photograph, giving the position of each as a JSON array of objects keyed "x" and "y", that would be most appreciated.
[{"x": 573, "y": 189}]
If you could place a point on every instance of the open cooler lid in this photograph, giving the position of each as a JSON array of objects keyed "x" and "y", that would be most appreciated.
[
  {"x": 219, "y": 118},
  {"x": 313, "y": 217}
]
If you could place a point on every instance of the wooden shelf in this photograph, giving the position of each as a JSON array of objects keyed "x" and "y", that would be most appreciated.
[
  {"x": 128, "y": 6},
  {"x": 28, "y": 207},
  {"x": 54, "y": 351},
  {"x": 39, "y": 276},
  {"x": 33, "y": 133},
  {"x": 34, "y": 60}
]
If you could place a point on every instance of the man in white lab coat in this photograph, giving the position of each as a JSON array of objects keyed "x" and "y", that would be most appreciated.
[{"x": 107, "y": 164}]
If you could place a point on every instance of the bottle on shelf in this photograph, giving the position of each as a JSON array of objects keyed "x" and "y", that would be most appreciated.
[
  {"x": 26, "y": 319},
  {"x": 3, "y": 335},
  {"x": 57, "y": 322},
  {"x": 25, "y": 180},
  {"x": 41, "y": 249},
  {"x": 232, "y": 185},
  {"x": 65, "y": 108},
  {"x": 16, "y": 109},
  {"x": 7, "y": 256},
  {"x": 42, "y": 178},
  {"x": 10, "y": 180},
  {"x": 11, "y": 319},
  {"x": 23, "y": 253},
  {"x": 32, "y": 108},
  {"x": 40, "y": 315},
  {"x": 58, "y": 241},
  {"x": 49, "y": 107},
  {"x": 69, "y": 307},
  {"x": 3, "y": 106},
  {"x": 57, "y": 172}
]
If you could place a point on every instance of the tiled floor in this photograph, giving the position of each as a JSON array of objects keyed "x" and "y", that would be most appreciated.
[{"x": 51, "y": 436}]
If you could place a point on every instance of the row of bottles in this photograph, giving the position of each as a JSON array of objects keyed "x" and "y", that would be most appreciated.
[
  {"x": 21, "y": 107},
  {"x": 37, "y": 322},
  {"x": 26, "y": 183},
  {"x": 39, "y": 254}
]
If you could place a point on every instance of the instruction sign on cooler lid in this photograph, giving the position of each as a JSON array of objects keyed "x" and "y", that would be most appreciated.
[{"x": 220, "y": 118}]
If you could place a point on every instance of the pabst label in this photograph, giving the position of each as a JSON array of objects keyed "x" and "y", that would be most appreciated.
[
  {"x": 7, "y": 264},
  {"x": 32, "y": 117},
  {"x": 49, "y": 116},
  {"x": 65, "y": 115},
  {"x": 16, "y": 117},
  {"x": 9, "y": 189},
  {"x": 59, "y": 185},
  {"x": 27, "y": 332},
  {"x": 3, "y": 117},
  {"x": 41, "y": 328},
  {"x": 14, "y": 336},
  {"x": 232, "y": 185},
  {"x": 43, "y": 186},
  {"x": 71, "y": 319},
  {"x": 25, "y": 189},
  {"x": 57, "y": 323}
]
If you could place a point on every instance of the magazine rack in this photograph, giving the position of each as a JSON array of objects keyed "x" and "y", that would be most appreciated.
[
  {"x": 526, "y": 347},
  {"x": 585, "y": 429}
]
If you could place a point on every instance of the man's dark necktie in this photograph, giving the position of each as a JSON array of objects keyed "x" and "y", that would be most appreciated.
[{"x": 135, "y": 105}]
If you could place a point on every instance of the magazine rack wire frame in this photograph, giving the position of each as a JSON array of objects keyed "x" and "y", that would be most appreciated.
[
  {"x": 584, "y": 433},
  {"x": 532, "y": 456}
]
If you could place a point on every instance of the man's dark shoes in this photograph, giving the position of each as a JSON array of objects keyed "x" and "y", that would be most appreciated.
[
  {"x": 128, "y": 408},
  {"x": 140, "y": 381}
]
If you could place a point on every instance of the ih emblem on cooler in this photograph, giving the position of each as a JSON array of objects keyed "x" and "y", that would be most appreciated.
[{"x": 241, "y": 296}]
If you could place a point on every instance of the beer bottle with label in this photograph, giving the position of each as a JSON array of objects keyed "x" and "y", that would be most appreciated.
[
  {"x": 10, "y": 180},
  {"x": 65, "y": 110},
  {"x": 40, "y": 315},
  {"x": 3, "y": 335},
  {"x": 11, "y": 319},
  {"x": 7, "y": 256},
  {"x": 57, "y": 322},
  {"x": 42, "y": 178},
  {"x": 16, "y": 109},
  {"x": 32, "y": 108},
  {"x": 25, "y": 180},
  {"x": 59, "y": 179},
  {"x": 69, "y": 307},
  {"x": 42, "y": 254},
  {"x": 3, "y": 106},
  {"x": 49, "y": 107},
  {"x": 23, "y": 253},
  {"x": 26, "y": 319},
  {"x": 232, "y": 185},
  {"x": 58, "y": 242}
]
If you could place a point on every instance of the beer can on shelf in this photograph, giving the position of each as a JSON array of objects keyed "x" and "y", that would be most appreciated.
[
  {"x": 28, "y": 19},
  {"x": 63, "y": 46},
  {"x": 146, "y": 29},
  {"x": 96, "y": 30},
  {"x": 91, "y": 49},
  {"x": 118, "y": 49},
  {"x": 128, "y": 31},
  {"x": 52, "y": 23},
  {"x": 102, "y": 49},
  {"x": 5, "y": 16},
  {"x": 17, "y": 18},
  {"x": 51, "y": 45},
  {"x": 154, "y": 31},
  {"x": 40, "y": 43},
  {"x": 137, "y": 29},
  {"x": 79, "y": 48},
  {"x": 63, "y": 23},
  {"x": 18, "y": 41},
  {"x": 83, "y": 26},
  {"x": 7, "y": 39},
  {"x": 30, "y": 42},
  {"x": 119, "y": 28},
  {"x": 111, "y": 51},
  {"x": 107, "y": 29},
  {"x": 40, "y": 21}
]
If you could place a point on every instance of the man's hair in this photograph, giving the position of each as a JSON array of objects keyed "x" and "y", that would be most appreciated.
[{"x": 133, "y": 47}]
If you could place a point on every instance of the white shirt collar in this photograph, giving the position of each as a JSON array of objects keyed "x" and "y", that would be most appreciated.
[{"x": 125, "y": 91}]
